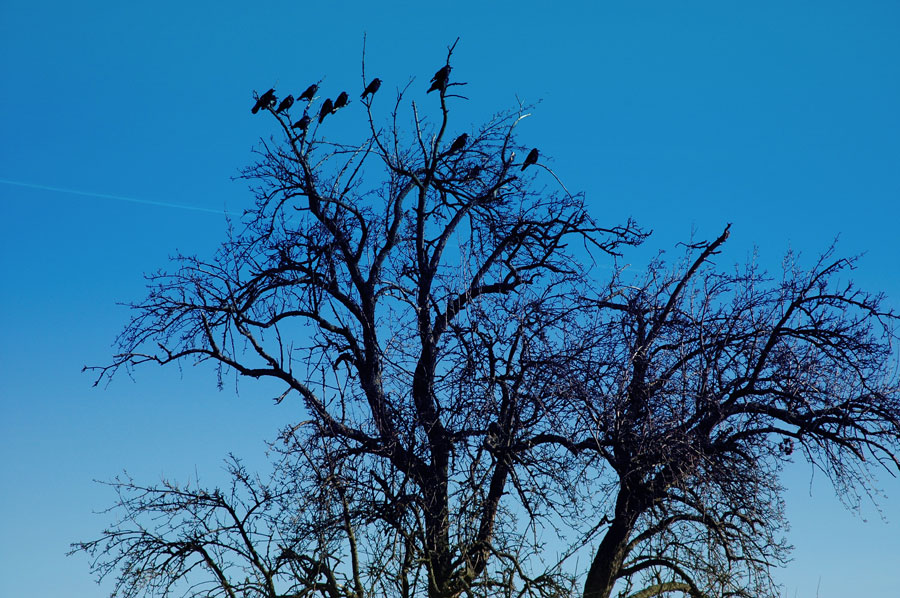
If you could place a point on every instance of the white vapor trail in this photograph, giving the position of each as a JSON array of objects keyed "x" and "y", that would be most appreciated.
[{"x": 148, "y": 202}]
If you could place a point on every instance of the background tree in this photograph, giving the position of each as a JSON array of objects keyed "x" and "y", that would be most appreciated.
[
  {"x": 698, "y": 385},
  {"x": 405, "y": 312}
]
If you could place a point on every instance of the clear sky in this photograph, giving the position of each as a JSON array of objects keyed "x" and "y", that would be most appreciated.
[{"x": 781, "y": 117}]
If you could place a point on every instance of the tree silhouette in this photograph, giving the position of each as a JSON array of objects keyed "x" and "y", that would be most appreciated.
[{"x": 471, "y": 388}]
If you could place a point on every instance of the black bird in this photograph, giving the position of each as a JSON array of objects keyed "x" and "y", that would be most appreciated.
[
  {"x": 442, "y": 74},
  {"x": 530, "y": 159},
  {"x": 302, "y": 123},
  {"x": 327, "y": 108},
  {"x": 264, "y": 101},
  {"x": 285, "y": 104},
  {"x": 341, "y": 101},
  {"x": 440, "y": 79},
  {"x": 372, "y": 87},
  {"x": 309, "y": 93},
  {"x": 458, "y": 143},
  {"x": 472, "y": 174}
]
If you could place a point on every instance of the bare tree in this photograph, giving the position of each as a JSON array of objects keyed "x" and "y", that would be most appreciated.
[
  {"x": 398, "y": 287},
  {"x": 697, "y": 385},
  {"x": 468, "y": 387}
]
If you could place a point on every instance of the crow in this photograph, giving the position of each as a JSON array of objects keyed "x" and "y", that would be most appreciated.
[
  {"x": 442, "y": 73},
  {"x": 340, "y": 102},
  {"x": 264, "y": 101},
  {"x": 309, "y": 93},
  {"x": 302, "y": 123},
  {"x": 458, "y": 143},
  {"x": 285, "y": 104},
  {"x": 372, "y": 87},
  {"x": 472, "y": 174},
  {"x": 530, "y": 159},
  {"x": 440, "y": 79},
  {"x": 327, "y": 108}
]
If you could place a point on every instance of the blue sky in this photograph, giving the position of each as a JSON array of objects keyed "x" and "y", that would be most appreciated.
[{"x": 780, "y": 117}]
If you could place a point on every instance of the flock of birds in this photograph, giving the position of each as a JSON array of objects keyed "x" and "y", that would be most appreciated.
[{"x": 439, "y": 81}]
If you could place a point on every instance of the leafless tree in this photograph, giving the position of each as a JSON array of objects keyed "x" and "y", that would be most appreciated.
[
  {"x": 399, "y": 287},
  {"x": 697, "y": 386},
  {"x": 470, "y": 389}
]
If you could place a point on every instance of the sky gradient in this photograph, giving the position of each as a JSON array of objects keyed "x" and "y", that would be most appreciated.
[{"x": 122, "y": 125}]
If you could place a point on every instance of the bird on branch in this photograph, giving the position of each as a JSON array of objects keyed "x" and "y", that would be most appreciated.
[
  {"x": 309, "y": 93},
  {"x": 285, "y": 104},
  {"x": 266, "y": 100},
  {"x": 458, "y": 143},
  {"x": 327, "y": 108},
  {"x": 372, "y": 87},
  {"x": 341, "y": 101},
  {"x": 530, "y": 159},
  {"x": 440, "y": 79},
  {"x": 302, "y": 124}
]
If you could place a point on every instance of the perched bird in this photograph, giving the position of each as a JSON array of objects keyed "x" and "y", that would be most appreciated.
[
  {"x": 440, "y": 79},
  {"x": 341, "y": 101},
  {"x": 285, "y": 104},
  {"x": 327, "y": 108},
  {"x": 302, "y": 123},
  {"x": 472, "y": 174},
  {"x": 530, "y": 159},
  {"x": 264, "y": 101},
  {"x": 309, "y": 93},
  {"x": 442, "y": 74},
  {"x": 372, "y": 87},
  {"x": 458, "y": 143}
]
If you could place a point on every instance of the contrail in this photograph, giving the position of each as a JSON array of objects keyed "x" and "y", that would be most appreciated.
[{"x": 148, "y": 202}]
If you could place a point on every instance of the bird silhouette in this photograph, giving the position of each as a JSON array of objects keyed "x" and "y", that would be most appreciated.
[
  {"x": 285, "y": 104},
  {"x": 341, "y": 101},
  {"x": 472, "y": 174},
  {"x": 264, "y": 101},
  {"x": 442, "y": 73},
  {"x": 440, "y": 79},
  {"x": 458, "y": 143},
  {"x": 327, "y": 108},
  {"x": 372, "y": 87},
  {"x": 530, "y": 159},
  {"x": 309, "y": 93},
  {"x": 302, "y": 123}
]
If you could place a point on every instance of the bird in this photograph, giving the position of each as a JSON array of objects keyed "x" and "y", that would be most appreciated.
[
  {"x": 530, "y": 159},
  {"x": 472, "y": 174},
  {"x": 264, "y": 101},
  {"x": 327, "y": 108},
  {"x": 439, "y": 81},
  {"x": 340, "y": 102},
  {"x": 309, "y": 93},
  {"x": 458, "y": 143},
  {"x": 302, "y": 123},
  {"x": 372, "y": 87},
  {"x": 285, "y": 104}
]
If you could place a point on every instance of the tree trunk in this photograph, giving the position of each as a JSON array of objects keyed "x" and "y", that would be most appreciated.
[{"x": 612, "y": 551}]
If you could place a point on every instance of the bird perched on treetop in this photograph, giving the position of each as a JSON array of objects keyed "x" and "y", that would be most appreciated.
[
  {"x": 264, "y": 101},
  {"x": 285, "y": 103},
  {"x": 440, "y": 79},
  {"x": 327, "y": 108},
  {"x": 372, "y": 87},
  {"x": 530, "y": 159},
  {"x": 341, "y": 101},
  {"x": 309, "y": 93},
  {"x": 458, "y": 143},
  {"x": 302, "y": 123}
]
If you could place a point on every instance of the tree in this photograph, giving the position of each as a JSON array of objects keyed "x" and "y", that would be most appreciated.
[
  {"x": 470, "y": 385},
  {"x": 698, "y": 385},
  {"x": 404, "y": 312}
]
